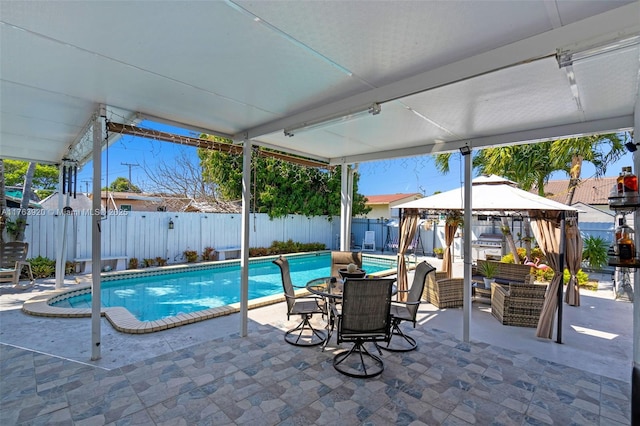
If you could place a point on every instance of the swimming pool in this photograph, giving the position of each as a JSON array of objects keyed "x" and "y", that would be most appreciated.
[{"x": 185, "y": 291}]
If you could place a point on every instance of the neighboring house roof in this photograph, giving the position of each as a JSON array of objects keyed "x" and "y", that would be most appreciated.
[
  {"x": 80, "y": 202},
  {"x": 13, "y": 196},
  {"x": 592, "y": 214},
  {"x": 592, "y": 191},
  {"x": 391, "y": 198},
  {"x": 217, "y": 207},
  {"x": 177, "y": 203},
  {"x": 132, "y": 196}
]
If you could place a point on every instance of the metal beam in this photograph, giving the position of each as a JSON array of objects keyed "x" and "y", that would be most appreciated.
[
  {"x": 142, "y": 116},
  {"x": 612, "y": 25},
  {"x": 228, "y": 148},
  {"x": 608, "y": 125}
]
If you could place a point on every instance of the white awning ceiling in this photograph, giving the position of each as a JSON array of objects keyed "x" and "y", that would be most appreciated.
[{"x": 446, "y": 74}]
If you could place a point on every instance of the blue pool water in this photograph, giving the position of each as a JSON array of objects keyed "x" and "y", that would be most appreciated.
[{"x": 150, "y": 298}]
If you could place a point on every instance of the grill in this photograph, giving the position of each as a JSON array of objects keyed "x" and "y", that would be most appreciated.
[{"x": 486, "y": 242}]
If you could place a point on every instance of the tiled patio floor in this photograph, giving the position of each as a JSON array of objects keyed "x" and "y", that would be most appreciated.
[
  {"x": 261, "y": 380},
  {"x": 205, "y": 374}
]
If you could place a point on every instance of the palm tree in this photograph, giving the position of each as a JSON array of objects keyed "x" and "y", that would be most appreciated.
[
  {"x": 531, "y": 165},
  {"x": 24, "y": 204},
  {"x": 587, "y": 148},
  {"x": 3, "y": 202}
]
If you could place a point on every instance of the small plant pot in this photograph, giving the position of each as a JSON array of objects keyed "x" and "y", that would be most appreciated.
[
  {"x": 358, "y": 273},
  {"x": 487, "y": 282}
]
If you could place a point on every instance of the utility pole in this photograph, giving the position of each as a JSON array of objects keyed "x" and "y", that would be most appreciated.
[
  {"x": 86, "y": 186},
  {"x": 130, "y": 165}
]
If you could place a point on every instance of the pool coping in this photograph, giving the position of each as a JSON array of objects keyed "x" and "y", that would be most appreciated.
[{"x": 122, "y": 320}]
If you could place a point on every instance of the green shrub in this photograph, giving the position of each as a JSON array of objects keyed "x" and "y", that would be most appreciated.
[
  {"x": 133, "y": 263},
  {"x": 258, "y": 251},
  {"x": 161, "y": 261},
  {"x": 42, "y": 267},
  {"x": 69, "y": 267},
  {"x": 147, "y": 262},
  {"x": 582, "y": 276},
  {"x": 190, "y": 255}
]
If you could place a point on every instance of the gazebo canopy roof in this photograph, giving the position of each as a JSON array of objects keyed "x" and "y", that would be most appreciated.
[{"x": 491, "y": 195}]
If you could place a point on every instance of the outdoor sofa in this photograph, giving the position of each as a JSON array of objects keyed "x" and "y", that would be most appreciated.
[
  {"x": 507, "y": 272},
  {"x": 518, "y": 304}
]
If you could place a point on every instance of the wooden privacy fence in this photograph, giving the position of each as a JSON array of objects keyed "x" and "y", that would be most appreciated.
[{"x": 146, "y": 235}]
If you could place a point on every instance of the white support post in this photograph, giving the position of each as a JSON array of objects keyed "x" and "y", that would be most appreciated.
[
  {"x": 61, "y": 221},
  {"x": 466, "y": 297},
  {"x": 635, "y": 371},
  {"x": 96, "y": 240},
  {"x": 244, "y": 252},
  {"x": 351, "y": 175},
  {"x": 345, "y": 223}
]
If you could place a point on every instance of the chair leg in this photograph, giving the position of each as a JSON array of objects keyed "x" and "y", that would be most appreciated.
[
  {"x": 358, "y": 367},
  {"x": 304, "y": 334},
  {"x": 409, "y": 343},
  {"x": 331, "y": 323}
]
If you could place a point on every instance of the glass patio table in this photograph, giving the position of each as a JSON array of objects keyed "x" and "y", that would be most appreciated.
[{"x": 328, "y": 287}]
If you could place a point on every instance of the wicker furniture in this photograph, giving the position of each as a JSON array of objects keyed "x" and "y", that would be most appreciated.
[
  {"x": 342, "y": 259},
  {"x": 507, "y": 272},
  {"x": 443, "y": 292},
  {"x": 303, "y": 334},
  {"x": 517, "y": 304},
  {"x": 365, "y": 317},
  {"x": 13, "y": 258},
  {"x": 407, "y": 311}
]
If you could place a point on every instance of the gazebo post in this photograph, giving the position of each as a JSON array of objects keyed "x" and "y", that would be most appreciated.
[{"x": 561, "y": 253}]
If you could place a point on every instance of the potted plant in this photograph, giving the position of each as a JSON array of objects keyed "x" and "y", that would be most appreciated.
[
  {"x": 190, "y": 255},
  {"x": 595, "y": 252},
  {"x": 439, "y": 252},
  {"x": 488, "y": 270}
]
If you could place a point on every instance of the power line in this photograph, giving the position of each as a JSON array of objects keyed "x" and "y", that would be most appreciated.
[
  {"x": 130, "y": 165},
  {"x": 86, "y": 185}
]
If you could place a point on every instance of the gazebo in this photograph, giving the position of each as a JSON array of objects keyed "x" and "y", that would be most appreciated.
[{"x": 554, "y": 225}]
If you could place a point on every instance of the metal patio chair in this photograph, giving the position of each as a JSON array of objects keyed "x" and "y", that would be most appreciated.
[
  {"x": 364, "y": 317},
  {"x": 408, "y": 310},
  {"x": 304, "y": 334}
]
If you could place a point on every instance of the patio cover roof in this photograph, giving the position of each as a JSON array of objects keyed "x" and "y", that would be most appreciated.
[
  {"x": 490, "y": 195},
  {"x": 445, "y": 74}
]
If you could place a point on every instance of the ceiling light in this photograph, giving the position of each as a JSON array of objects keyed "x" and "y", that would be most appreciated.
[
  {"x": 373, "y": 109},
  {"x": 567, "y": 57}
]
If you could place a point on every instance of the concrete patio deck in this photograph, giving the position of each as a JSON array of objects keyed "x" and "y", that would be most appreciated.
[{"x": 204, "y": 373}]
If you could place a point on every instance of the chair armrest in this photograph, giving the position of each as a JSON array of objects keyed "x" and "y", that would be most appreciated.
[
  {"x": 335, "y": 312},
  {"x": 498, "y": 294}
]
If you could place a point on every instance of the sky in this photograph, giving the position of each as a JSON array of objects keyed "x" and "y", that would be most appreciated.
[{"x": 132, "y": 156}]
